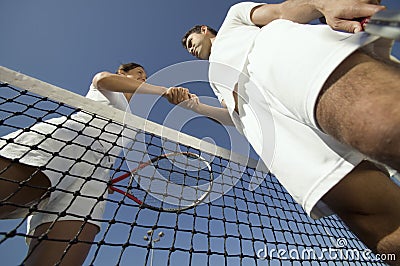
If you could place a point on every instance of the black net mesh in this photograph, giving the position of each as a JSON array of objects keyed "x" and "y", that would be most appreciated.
[{"x": 232, "y": 226}]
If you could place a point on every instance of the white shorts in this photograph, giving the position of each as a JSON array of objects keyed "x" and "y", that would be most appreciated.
[
  {"x": 289, "y": 64},
  {"x": 78, "y": 183}
]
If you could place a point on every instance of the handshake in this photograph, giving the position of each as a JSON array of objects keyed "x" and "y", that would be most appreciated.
[{"x": 182, "y": 96}]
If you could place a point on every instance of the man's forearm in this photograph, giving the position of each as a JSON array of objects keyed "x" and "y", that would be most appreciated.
[
  {"x": 301, "y": 11},
  {"x": 220, "y": 115},
  {"x": 340, "y": 14}
]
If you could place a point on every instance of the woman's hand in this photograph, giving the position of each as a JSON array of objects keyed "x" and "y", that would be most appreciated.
[{"x": 182, "y": 96}]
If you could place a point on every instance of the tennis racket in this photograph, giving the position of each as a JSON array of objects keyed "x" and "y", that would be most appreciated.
[
  {"x": 385, "y": 23},
  {"x": 170, "y": 182}
]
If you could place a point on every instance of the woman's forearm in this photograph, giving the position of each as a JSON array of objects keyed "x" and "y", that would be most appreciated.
[{"x": 120, "y": 83}]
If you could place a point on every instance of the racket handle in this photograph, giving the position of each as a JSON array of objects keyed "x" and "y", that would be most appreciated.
[
  {"x": 364, "y": 22},
  {"x": 125, "y": 193}
]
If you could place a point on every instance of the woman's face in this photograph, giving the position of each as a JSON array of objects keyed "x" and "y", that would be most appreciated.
[{"x": 137, "y": 73}]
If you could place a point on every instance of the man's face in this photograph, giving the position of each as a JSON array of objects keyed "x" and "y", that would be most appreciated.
[{"x": 199, "y": 44}]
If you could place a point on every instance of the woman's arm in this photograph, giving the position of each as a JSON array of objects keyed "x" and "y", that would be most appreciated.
[
  {"x": 129, "y": 86},
  {"x": 121, "y": 83}
]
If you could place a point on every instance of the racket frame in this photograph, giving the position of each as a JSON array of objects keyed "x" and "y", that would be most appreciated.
[
  {"x": 385, "y": 23},
  {"x": 149, "y": 162}
]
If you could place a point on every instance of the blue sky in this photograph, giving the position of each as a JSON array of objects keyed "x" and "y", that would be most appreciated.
[{"x": 66, "y": 42}]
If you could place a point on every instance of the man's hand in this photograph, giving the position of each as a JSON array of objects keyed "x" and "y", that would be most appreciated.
[
  {"x": 176, "y": 95},
  {"x": 346, "y": 15},
  {"x": 193, "y": 103}
]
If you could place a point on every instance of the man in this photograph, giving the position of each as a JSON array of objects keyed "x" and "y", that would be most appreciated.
[{"x": 331, "y": 98}]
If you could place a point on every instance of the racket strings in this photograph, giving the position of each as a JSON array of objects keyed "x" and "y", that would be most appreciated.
[{"x": 180, "y": 179}]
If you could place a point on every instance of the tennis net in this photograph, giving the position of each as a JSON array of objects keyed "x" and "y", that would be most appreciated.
[{"x": 223, "y": 222}]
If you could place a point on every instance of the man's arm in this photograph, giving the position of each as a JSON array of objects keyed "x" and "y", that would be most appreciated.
[
  {"x": 339, "y": 14},
  {"x": 218, "y": 114}
]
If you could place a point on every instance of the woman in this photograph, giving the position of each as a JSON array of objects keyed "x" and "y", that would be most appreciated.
[{"x": 38, "y": 172}]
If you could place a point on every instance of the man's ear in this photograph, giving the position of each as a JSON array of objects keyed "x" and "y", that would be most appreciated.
[{"x": 204, "y": 29}]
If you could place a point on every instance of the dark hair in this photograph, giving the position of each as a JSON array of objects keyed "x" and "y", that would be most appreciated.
[
  {"x": 196, "y": 29},
  {"x": 128, "y": 66}
]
